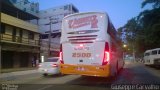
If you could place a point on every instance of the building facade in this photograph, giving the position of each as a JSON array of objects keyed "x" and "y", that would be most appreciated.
[
  {"x": 19, "y": 37},
  {"x": 50, "y": 27},
  {"x": 26, "y": 6}
]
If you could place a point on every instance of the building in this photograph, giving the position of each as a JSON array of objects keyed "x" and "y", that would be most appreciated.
[
  {"x": 19, "y": 37},
  {"x": 50, "y": 27},
  {"x": 26, "y": 6}
]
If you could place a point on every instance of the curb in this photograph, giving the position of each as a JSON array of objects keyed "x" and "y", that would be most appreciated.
[{"x": 5, "y": 75}]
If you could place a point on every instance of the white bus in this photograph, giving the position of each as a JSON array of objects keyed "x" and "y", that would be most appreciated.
[
  {"x": 152, "y": 57},
  {"x": 90, "y": 45}
]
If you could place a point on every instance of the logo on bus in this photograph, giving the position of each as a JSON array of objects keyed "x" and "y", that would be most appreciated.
[{"x": 89, "y": 20}]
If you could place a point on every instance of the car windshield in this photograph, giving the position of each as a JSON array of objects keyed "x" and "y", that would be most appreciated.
[{"x": 51, "y": 60}]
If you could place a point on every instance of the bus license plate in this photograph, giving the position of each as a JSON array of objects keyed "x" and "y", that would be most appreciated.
[{"x": 80, "y": 69}]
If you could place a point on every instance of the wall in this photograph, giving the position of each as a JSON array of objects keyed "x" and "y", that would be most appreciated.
[
  {"x": 57, "y": 14},
  {"x": 18, "y": 22},
  {"x": 16, "y": 59},
  {"x": 8, "y": 30}
]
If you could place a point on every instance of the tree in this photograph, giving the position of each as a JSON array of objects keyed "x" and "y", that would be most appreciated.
[
  {"x": 156, "y": 3},
  {"x": 130, "y": 29},
  {"x": 150, "y": 22},
  {"x": 120, "y": 32},
  {"x": 143, "y": 31}
]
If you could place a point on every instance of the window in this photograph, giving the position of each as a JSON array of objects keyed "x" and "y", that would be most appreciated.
[
  {"x": 51, "y": 60},
  {"x": 24, "y": 9},
  {"x": 14, "y": 1},
  {"x": 112, "y": 31},
  {"x": 159, "y": 52},
  {"x": 25, "y": 2},
  {"x": 2, "y": 28},
  {"x": 65, "y": 7},
  {"x": 37, "y": 11},
  {"x": 45, "y": 11},
  {"x": 44, "y": 36},
  {"x": 74, "y": 9},
  {"x": 31, "y": 35},
  {"x": 32, "y": 9},
  {"x": 146, "y": 54},
  {"x": 154, "y": 52}
]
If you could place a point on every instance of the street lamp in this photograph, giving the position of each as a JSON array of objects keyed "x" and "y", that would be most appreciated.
[
  {"x": 124, "y": 45},
  {"x": 49, "y": 36}
]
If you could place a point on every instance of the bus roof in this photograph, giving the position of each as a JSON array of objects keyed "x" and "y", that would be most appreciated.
[{"x": 83, "y": 13}]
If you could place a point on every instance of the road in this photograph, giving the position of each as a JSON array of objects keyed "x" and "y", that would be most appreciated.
[{"x": 133, "y": 73}]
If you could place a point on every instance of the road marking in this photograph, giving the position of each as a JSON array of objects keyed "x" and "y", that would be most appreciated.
[{"x": 45, "y": 87}]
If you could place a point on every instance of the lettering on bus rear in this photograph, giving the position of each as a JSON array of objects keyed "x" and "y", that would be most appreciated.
[
  {"x": 80, "y": 22},
  {"x": 81, "y": 48},
  {"x": 83, "y": 55}
]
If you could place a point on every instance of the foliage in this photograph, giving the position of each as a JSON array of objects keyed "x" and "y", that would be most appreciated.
[
  {"x": 156, "y": 3},
  {"x": 143, "y": 31}
]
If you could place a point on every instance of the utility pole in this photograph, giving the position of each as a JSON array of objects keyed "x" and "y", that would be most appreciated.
[
  {"x": 0, "y": 37},
  {"x": 50, "y": 32},
  {"x": 133, "y": 53},
  {"x": 49, "y": 36}
]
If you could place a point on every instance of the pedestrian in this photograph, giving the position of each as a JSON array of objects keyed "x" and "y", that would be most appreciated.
[
  {"x": 37, "y": 62},
  {"x": 34, "y": 61}
]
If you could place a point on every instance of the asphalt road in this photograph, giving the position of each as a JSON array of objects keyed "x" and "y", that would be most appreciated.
[{"x": 136, "y": 74}]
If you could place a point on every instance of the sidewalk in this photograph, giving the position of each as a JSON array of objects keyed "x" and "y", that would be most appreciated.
[
  {"x": 10, "y": 74},
  {"x": 131, "y": 61}
]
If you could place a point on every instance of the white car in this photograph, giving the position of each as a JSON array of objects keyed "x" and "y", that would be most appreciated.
[{"x": 49, "y": 66}]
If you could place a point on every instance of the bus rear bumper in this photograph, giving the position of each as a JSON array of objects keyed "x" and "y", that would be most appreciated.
[{"x": 88, "y": 70}]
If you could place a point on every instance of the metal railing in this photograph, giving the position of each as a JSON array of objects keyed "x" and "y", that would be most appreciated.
[{"x": 19, "y": 40}]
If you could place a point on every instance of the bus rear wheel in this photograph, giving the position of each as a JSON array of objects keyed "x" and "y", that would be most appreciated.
[{"x": 115, "y": 73}]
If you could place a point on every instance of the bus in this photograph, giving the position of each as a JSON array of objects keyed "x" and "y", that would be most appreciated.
[
  {"x": 90, "y": 45},
  {"x": 152, "y": 57}
]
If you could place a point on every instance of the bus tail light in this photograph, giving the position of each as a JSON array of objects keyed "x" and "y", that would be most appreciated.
[
  {"x": 106, "y": 54},
  {"x": 60, "y": 55}
]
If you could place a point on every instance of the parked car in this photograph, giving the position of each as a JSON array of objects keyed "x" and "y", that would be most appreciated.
[{"x": 49, "y": 66}]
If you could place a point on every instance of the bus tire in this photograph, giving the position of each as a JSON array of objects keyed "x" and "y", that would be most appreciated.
[
  {"x": 114, "y": 74},
  {"x": 117, "y": 70}
]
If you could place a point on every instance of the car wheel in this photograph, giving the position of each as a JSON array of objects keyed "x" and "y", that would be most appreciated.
[{"x": 45, "y": 74}]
